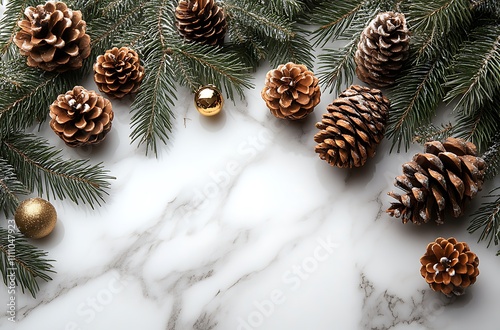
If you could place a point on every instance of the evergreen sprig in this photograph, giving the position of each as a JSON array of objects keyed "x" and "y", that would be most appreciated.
[
  {"x": 27, "y": 263},
  {"x": 41, "y": 168},
  {"x": 487, "y": 219},
  {"x": 10, "y": 188}
]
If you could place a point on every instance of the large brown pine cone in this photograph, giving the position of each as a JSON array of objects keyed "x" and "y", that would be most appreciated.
[
  {"x": 441, "y": 180},
  {"x": 118, "y": 72},
  {"x": 449, "y": 266},
  {"x": 201, "y": 21},
  {"x": 81, "y": 117},
  {"x": 291, "y": 91},
  {"x": 53, "y": 37},
  {"x": 382, "y": 49},
  {"x": 353, "y": 127}
]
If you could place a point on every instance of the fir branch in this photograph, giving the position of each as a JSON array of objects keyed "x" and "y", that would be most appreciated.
[
  {"x": 10, "y": 187},
  {"x": 40, "y": 167},
  {"x": 152, "y": 113},
  {"x": 14, "y": 11},
  {"x": 492, "y": 158},
  {"x": 414, "y": 101},
  {"x": 476, "y": 69},
  {"x": 297, "y": 49},
  {"x": 27, "y": 263},
  {"x": 481, "y": 124},
  {"x": 251, "y": 14},
  {"x": 337, "y": 66},
  {"x": 431, "y": 132},
  {"x": 213, "y": 65},
  {"x": 487, "y": 219},
  {"x": 29, "y": 92},
  {"x": 444, "y": 14},
  {"x": 289, "y": 8}
]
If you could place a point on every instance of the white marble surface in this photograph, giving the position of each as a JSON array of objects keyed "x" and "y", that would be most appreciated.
[{"x": 239, "y": 225}]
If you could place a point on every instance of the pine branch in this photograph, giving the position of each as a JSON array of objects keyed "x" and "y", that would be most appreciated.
[
  {"x": 40, "y": 167},
  {"x": 492, "y": 158},
  {"x": 297, "y": 49},
  {"x": 14, "y": 12},
  {"x": 10, "y": 188},
  {"x": 476, "y": 70},
  {"x": 480, "y": 125},
  {"x": 152, "y": 113},
  {"x": 413, "y": 103},
  {"x": 27, "y": 93},
  {"x": 431, "y": 132},
  {"x": 212, "y": 65},
  {"x": 444, "y": 14},
  {"x": 487, "y": 219},
  {"x": 337, "y": 66},
  {"x": 26, "y": 262}
]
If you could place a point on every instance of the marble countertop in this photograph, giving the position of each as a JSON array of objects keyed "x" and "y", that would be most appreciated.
[{"x": 239, "y": 225}]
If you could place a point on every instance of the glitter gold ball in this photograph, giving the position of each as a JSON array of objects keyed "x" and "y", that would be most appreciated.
[
  {"x": 35, "y": 217},
  {"x": 208, "y": 100}
]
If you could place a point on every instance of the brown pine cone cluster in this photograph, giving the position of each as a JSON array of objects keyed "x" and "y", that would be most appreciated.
[
  {"x": 81, "y": 117},
  {"x": 53, "y": 37},
  {"x": 291, "y": 91},
  {"x": 441, "y": 180},
  {"x": 201, "y": 21},
  {"x": 353, "y": 127},
  {"x": 382, "y": 49},
  {"x": 449, "y": 266},
  {"x": 118, "y": 72}
]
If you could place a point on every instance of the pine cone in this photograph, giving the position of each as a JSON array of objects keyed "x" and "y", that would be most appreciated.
[
  {"x": 81, "y": 117},
  {"x": 382, "y": 49},
  {"x": 53, "y": 37},
  {"x": 442, "y": 179},
  {"x": 449, "y": 266},
  {"x": 291, "y": 91},
  {"x": 118, "y": 72},
  {"x": 201, "y": 21},
  {"x": 353, "y": 127}
]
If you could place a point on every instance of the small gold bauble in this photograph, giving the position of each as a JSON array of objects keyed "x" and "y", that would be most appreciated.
[
  {"x": 208, "y": 100},
  {"x": 35, "y": 217}
]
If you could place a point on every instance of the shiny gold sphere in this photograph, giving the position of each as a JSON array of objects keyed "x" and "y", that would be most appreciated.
[
  {"x": 208, "y": 100},
  {"x": 35, "y": 217}
]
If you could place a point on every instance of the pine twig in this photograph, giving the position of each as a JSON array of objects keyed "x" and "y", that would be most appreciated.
[
  {"x": 487, "y": 219},
  {"x": 40, "y": 167},
  {"x": 10, "y": 188},
  {"x": 22, "y": 261}
]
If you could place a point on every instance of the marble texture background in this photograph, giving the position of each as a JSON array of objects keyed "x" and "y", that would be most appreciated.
[{"x": 237, "y": 224}]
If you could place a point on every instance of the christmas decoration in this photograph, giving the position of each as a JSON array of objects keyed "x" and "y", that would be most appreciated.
[
  {"x": 208, "y": 100},
  {"x": 353, "y": 127},
  {"x": 201, "y": 21},
  {"x": 442, "y": 179},
  {"x": 291, "y": 91},
  {"x": 118, "y": 72},
  {"x": 449, "y": 266},
  {"x": 382, "y": 49},
  {"x": 81, "y": 117},
  {"x": 35, "y": 217},
  {"x": 53, "y": 37}
]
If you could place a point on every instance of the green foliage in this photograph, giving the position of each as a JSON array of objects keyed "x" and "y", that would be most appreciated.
[
  {"x": 10, "y": 188},
  {"x": 487, "y": 219},
  {"x": 41, "y": 168},
  {"x": 28, "y": 263}
]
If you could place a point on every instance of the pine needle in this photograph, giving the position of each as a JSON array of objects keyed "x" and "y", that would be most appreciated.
[{"x": 26, "y": 262}]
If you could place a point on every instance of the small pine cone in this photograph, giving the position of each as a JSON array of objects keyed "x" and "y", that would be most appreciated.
[
  {"x": 81, "y": 117},
  {"x": 441, "y": 180},
  {"x": 353, "y": 127},
  {"x": 118, "y": 72},
  {"x": 201, "y": 21},
  {"x": 382, "y": 49},
  {"x": 449, "y": 266},
  {"x": 291, "y": 91},
  {"x": 53, "y": 37}
]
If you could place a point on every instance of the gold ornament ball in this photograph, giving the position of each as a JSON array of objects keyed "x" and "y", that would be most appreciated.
[
  {"x": 208, "y": 100},
  {"x": 35, "y": 217}
]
